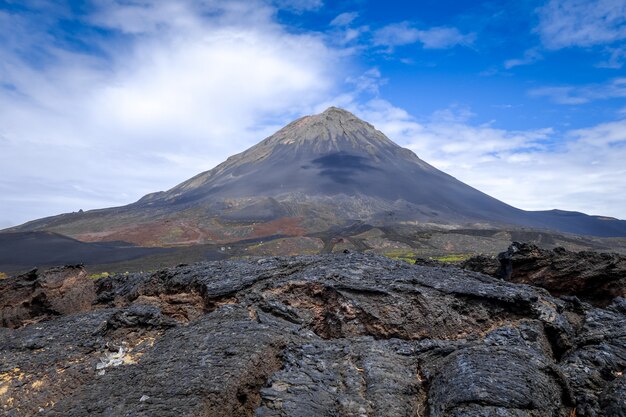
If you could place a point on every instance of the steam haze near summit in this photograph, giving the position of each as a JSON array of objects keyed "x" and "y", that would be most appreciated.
[{"x": 102, "y": 102}]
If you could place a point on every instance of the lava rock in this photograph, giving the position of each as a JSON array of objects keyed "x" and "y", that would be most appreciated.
[
  {"x": 38, "y": 296},
  {"x": 338, "y": 334},
  {"x": 504, "y": 381},
  {"x": 595, "y": 277},
  {"x": 485, "y": 264}
]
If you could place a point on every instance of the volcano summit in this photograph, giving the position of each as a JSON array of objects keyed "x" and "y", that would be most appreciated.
[{"x": 319, "y": 172}]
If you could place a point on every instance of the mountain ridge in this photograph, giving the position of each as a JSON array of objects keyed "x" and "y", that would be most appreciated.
[{"x": 317, "y": 172}]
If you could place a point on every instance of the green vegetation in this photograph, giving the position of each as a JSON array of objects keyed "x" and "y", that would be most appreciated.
[
  {"x": 452, "y": 258},
  {"x": 400, "y": 255},
  {"x": 108, "y": 274},
  {"x": 408, "y": 256}
]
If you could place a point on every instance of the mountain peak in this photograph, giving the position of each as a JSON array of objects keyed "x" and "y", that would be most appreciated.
[
  {"x": 334, "y": 129},
  {"x": 335, "y": 143},
  {"x": 334, "y": 115},
  {"x": 330, "y": 116},
  {"x": 337, "y": 111}
]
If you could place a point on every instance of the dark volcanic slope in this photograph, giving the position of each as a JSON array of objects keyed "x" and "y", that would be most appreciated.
[
  {"x": 327, "y": 168},
  {"x": 335, "y": 153},
  {"x": 21, "y": 250},
  {"x": 347, "y": 335}
]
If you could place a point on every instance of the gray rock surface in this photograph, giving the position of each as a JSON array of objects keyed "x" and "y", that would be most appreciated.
[{"x": 336, "y": 335}]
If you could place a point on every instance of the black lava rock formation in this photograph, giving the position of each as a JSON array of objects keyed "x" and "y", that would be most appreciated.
[
  {"x": 35, "y": 296},
  {"x": 593, "y": 276},
  {"x": 337, "y": 335}
]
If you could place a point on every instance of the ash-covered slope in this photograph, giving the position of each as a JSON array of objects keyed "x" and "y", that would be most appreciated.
[
  {"x": 343, "y": 335},
  {"x": 334, "y": 154},
  {"x": 21, "y": 250},
  {"x": 321, "y": 170}
]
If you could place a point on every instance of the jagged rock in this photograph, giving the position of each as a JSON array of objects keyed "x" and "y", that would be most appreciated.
[
  {"x": 37, "y": 296},
  {"x": 595, "y": 277},
  {"x": 485, "y": 264},
  {"x": 343, "y": 335}
]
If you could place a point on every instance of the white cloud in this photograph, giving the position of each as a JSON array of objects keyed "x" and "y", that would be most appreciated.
[
  {"x": 538, "y": 169},
  {"x": 566, "y": 23},
  {"x": 530, "y": 57},
  {"x": 616, "y": 58},
  {"x": 561, "y": 95},
  {"x": 615, "y": 88},
  {"x": 612, "y": 134},
  {"x": 299, "y": 6},
  {"x": 144, "y": 17},
  {"x": 398, "y": 34},
  {"x": 453, "y": 114},
  {"x": 204, "y": 80},
  {"x": 445, "y": 37},
  {"x": 344, "y": 19},
  {"x": 353, "y": 34},
  {"x": 342, "y": 32},
  {"x": 369, "y": 82}
]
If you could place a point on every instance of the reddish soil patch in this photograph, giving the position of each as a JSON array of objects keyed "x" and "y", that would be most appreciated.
[
  {"x": 173, "y": 232},
  {"x": 289, "y": 226},
  {"x": 157, "y": 233}
]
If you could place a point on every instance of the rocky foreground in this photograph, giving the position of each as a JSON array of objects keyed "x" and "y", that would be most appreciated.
[{"x": 335, "y": 335}]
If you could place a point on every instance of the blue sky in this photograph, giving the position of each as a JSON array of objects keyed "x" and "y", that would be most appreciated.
[{"x": 103, "y": 101}]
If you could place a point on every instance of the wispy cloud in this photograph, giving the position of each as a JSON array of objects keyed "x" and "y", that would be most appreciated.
[
  {"x": 611, "y": 134},
  {"x": 299, "y": 6},
  {"x": 404, "y": 33},
  {"x": 343, "y": 32},
  {"x": 566, "y": 23},
  {"x": 616, "y": 58},
  {"x": 561, "y": 95},
  {"x": 344, "y": 19},
  {"x": 582, "y": 94},
  {"x": 396, "y": 34},
  {"x": 530, "y": 57},
  {"x": 368, "y": 82},
  {"x": 107, "y": 118}
]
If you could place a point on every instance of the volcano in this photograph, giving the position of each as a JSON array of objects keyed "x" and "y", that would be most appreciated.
[{"x": 316, "y": 173}]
